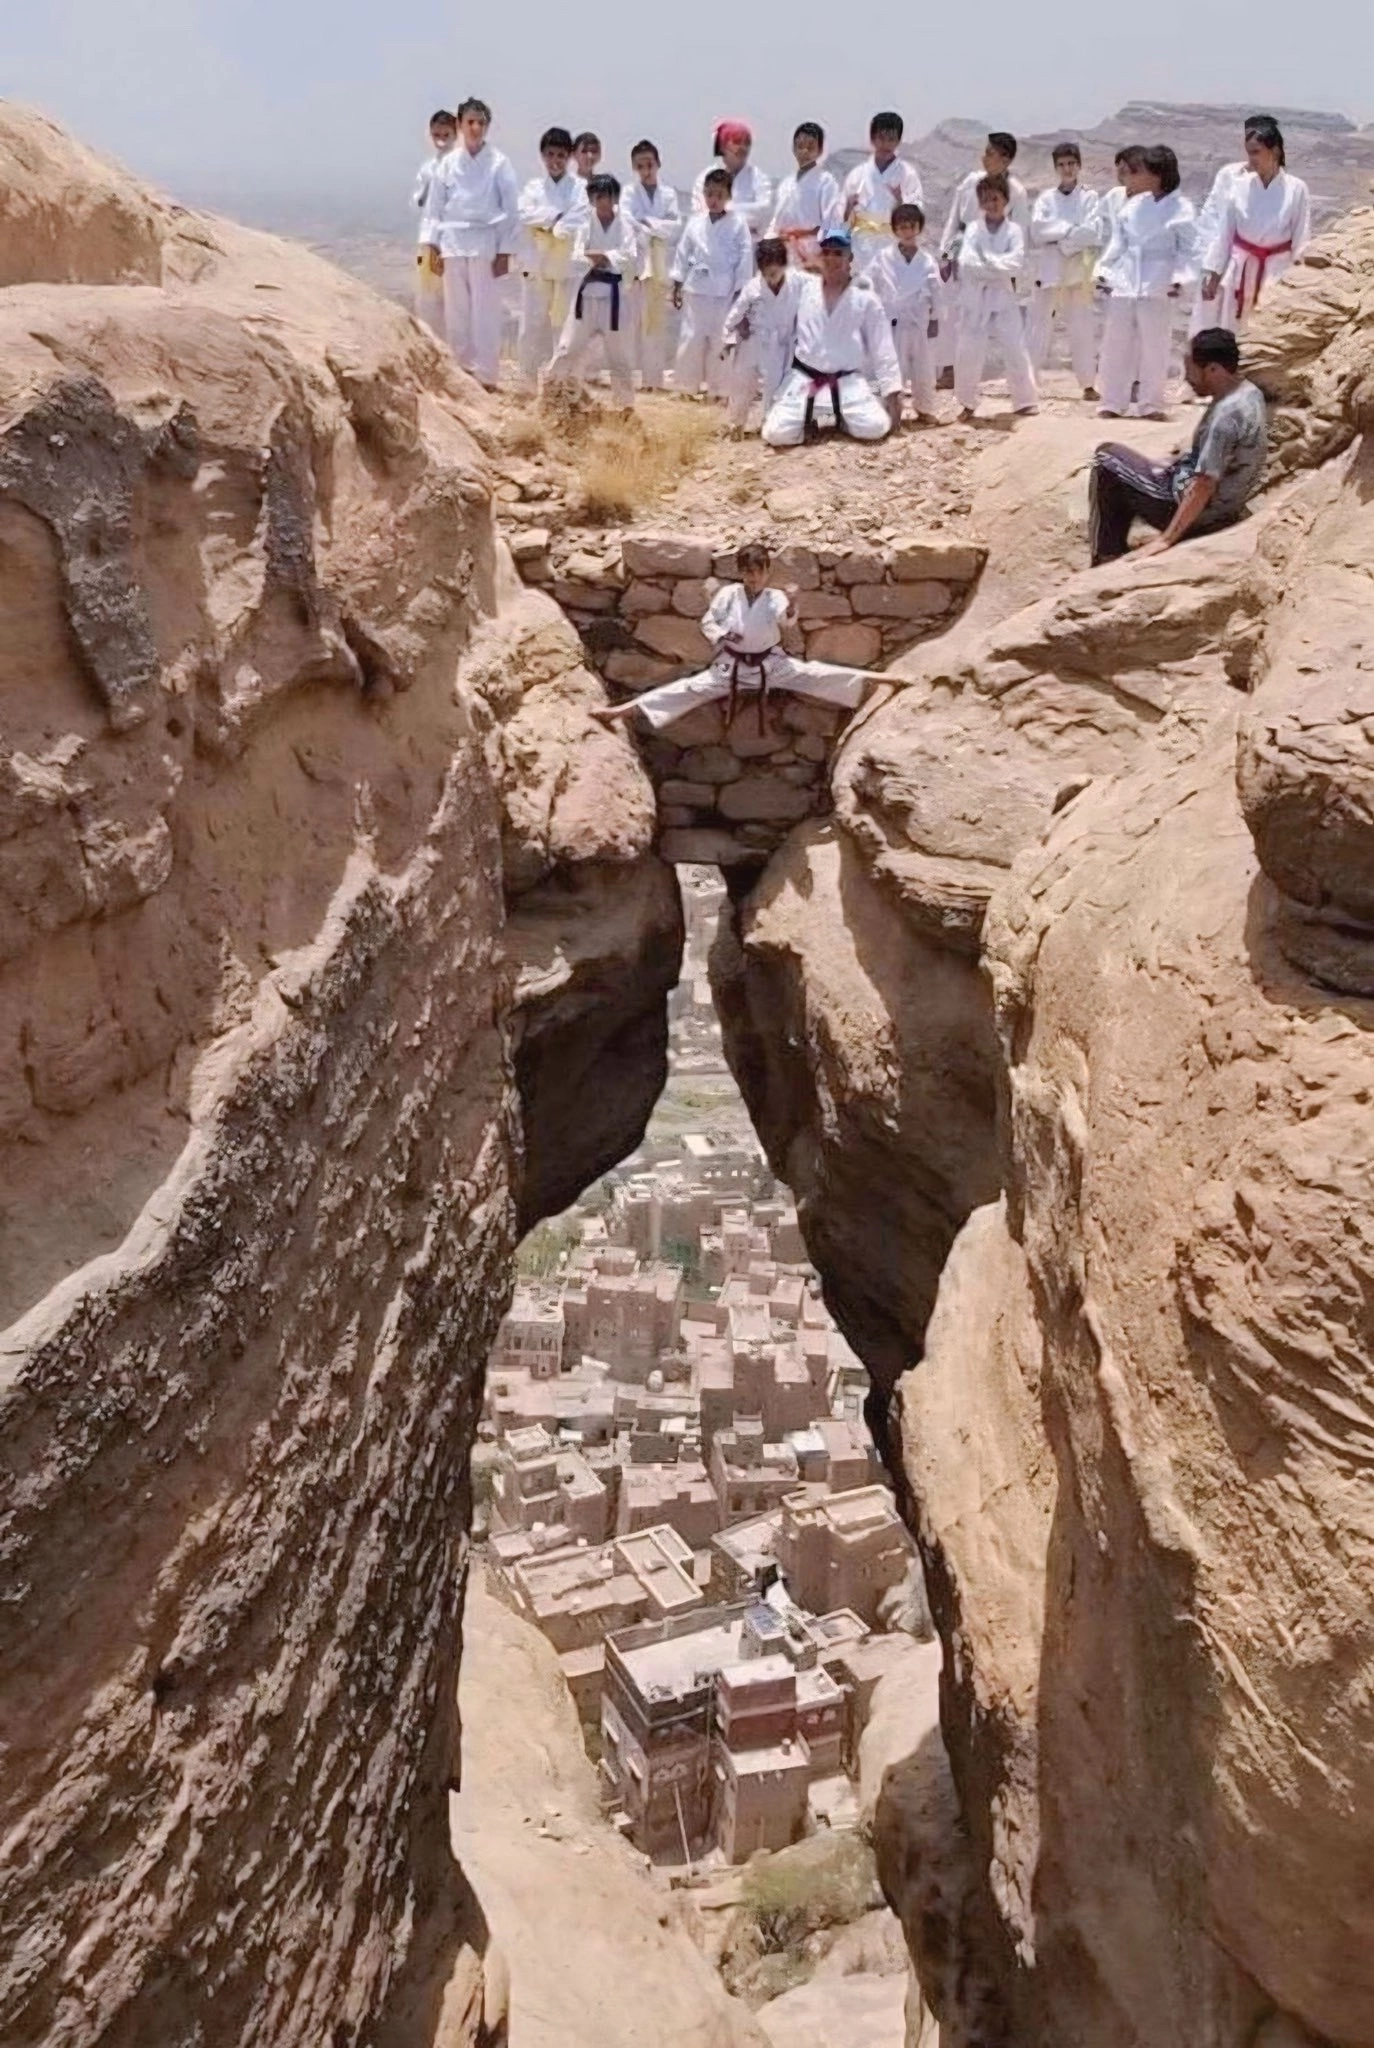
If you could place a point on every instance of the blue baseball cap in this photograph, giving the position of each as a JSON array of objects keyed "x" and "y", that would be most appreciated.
[{"x": 837, "y": 238}]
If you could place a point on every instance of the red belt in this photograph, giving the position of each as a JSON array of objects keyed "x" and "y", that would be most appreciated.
[{"x": 1262, "y": 257}]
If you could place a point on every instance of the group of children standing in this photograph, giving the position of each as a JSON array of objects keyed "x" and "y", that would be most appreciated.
[{"x": 601, "y": 266}]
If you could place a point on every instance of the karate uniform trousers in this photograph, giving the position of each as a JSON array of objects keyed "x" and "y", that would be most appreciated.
[
  {"x": 698, "y": 350},
  {"x": 1073, "y": 305},
  {"x": 472, "y": 315},
  {"x": 761, "y": 362},
  {"x": 1135, "y": 351},
  {"x": 544, "y": 302},
  {"x": 916, "y": 358},
  {"x": 429, "y": 296},
  {"x": 655, "y": 305},
  {"x": 990, "y": 312},
  {"x": 589, "y": 319},
  {"x": 865, "y": 415},
  {"x": 841, "y": 687}
]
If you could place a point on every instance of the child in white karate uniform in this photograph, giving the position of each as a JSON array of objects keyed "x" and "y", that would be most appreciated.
[
  {"x": 907, "y": 280},
  {"x": 471, "y": 218},
  {"x": 587, "y": 154},
  {"x": 710, "y": 269},
  {"x": 429, "y": 285},
  {"x": 1263, "y": 227},
  {"x": 751, "y": 190},
  {"x": 552, "y": 209},
  {"x": 652, "y": 206},
  {"x": 761, "y": 331},
  {"x": 808, "y": 200},
  {"x": 965, "y": 208},
  {"x": 1148, "y": 264},
  {"x": 992, "y": 257},
  {"x": 1066, "y": 236},
  {"x": 608, "y": 256},
  {"x": 883, "y": 180},
  {"x": 744, "y": 623}
]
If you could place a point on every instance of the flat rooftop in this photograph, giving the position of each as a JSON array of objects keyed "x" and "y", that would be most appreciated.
[{"x": 671, "y": 1670}]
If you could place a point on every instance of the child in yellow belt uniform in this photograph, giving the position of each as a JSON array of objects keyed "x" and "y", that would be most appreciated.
[
  {"x": 552, "y": 209},
  {"x": 429, "y": 285},
  {"x": 653, "y": 207}
]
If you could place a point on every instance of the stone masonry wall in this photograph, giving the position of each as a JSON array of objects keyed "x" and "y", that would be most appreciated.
[
  {"x": 729, "y": 794},
  {"x": 638, "y": 601}
]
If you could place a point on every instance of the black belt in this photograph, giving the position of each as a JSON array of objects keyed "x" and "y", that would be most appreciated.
[
  {"x": 830, "y": 379},
  {"x": 759, "y": 664},
  {"x": 610, "y": 277}
]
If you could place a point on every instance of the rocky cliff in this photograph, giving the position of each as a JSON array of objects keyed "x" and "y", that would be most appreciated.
[
  {"x": 313, "y": 870},
  {"x": 1063, "y": 1034}
]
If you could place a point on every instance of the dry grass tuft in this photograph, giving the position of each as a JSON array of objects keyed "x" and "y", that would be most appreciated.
[
  {"x": 622, "y": 463},
  {"x": 527, "y": 435}
]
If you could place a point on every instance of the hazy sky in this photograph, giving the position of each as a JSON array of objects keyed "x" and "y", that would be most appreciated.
[{"x": 331, "y": 96}]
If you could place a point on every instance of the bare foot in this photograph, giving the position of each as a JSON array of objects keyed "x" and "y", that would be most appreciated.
[
  {"x": 1091, "y": 393},
  {"x": 966, "y": 415},
  {"x": 928, "y": 419},
  {"x": 1026, "y": 412},
  {"x": 613, "y": 714}
]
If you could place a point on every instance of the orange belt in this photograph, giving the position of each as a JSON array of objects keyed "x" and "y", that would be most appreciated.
[{"x": 1263, "y": 257}]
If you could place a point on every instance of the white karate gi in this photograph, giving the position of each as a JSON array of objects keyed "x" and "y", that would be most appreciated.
[
  {"x": 869, "y": 197},
  {"x": 1262, "y": 231},
  {"x": 754, "y": 629},
  {"x": 471, "y": 216},
  {"x": 1152, "y": 250},
  {"x": 1218, "y": 312},
  {"x": 713, "y": 262},
  {"x": 751, "y": 195},
  {"x": 991, "y": 260},
  {"x": 551, "y": 212},
  {"x": 807, "y": 203},
  {"x": 853, "y": 343},
  {"x": 964, "y": 209},
  {"x": 1066, "y": 235},
  {"x": 912, "y": 296},
  {"x": 429, "y": 289},
  {"x": 765, "y": 356},
  {"x": 658, "y": 218},
  {"x": 603, "y": 307}
]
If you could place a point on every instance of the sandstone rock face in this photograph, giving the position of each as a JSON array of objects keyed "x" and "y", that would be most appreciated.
[
  {"x": 312, "y": 867},
  {"x": 1091, "y": 932}
]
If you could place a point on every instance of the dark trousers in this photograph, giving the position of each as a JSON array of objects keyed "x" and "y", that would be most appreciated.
[{"x": 1126, "y": 486}]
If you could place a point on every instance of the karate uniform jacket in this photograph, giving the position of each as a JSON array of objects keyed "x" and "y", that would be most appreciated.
[
  {"x": 473, "y": 208},
  {"x": 911, "y": 294},
  {"x": 551, "y": 212},
  {"x": 855, "y": 338},
  {"x": 991, "y": 259},
  {"x": 751, "y": 195},
  {"x": 1265, "y": 217},
  {"x": 772, "y": 315},
  {"x": 869, "y": 197},
  {"x": 658, "y": 220},
  {"x": 715, "y": 258},
  {"x": 965, "y": 208},
  {"x": 807, "y": 203},
  {"x": 1066, "y": 236},
  {"x": 424, "y": 181},
  {"x": 1152, "y": 249}
]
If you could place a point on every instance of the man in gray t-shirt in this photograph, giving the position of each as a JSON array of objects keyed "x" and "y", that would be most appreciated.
[{"x": 1196, "y": 493}]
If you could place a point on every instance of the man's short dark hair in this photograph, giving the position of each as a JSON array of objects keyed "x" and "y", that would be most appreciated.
[
  {"x": 753, "y": 555},
  {"x": 555, "y": 138},
  {"x": 718, "y": 176},
  {"x": 1131, "y": 158},
  {"x": 886, "y": 123},
  {"x": 601, "y": 185},
  {"x": 907, "y": 215},
  {"x": 586, "y": 140},
  {"x": 1161, "y": 163},
  {"x": 474, "y": 106},
  {"x": 443, "y": 119},
  {"x": 1215, "y": 345},
  {"x": 994, "y": 185},
  {"x": 813, "y": 129},
  {"x": 646, "y": 148},
  {"x": 771, "y": 250},
  {"x": 1004, "y": 144},
  {"x": 1067, "y": 149}
]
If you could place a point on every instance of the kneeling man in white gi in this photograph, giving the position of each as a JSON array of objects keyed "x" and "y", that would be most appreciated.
[
  {"x": 744, "y": 623},
  {"x": 845, "y": 372}
]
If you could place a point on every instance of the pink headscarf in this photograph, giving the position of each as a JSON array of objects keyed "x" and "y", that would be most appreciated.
[{"x": 737, "y": 132}]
